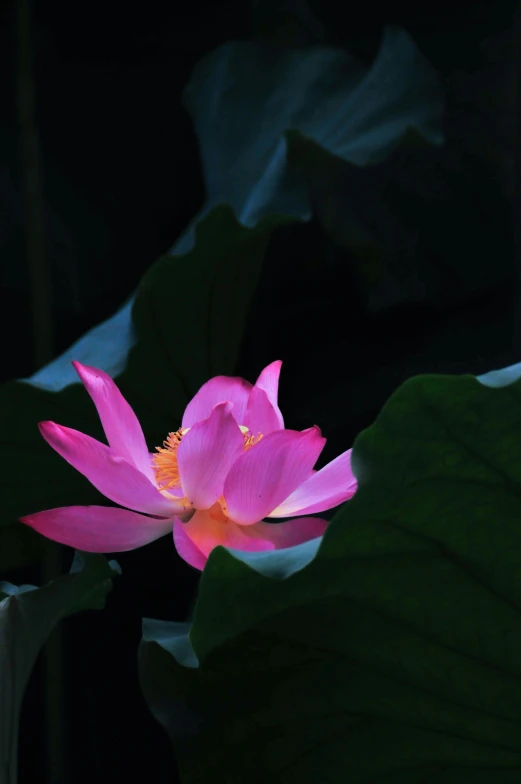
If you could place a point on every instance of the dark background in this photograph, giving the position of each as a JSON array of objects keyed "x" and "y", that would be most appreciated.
[{"x": 120, "y": 179}]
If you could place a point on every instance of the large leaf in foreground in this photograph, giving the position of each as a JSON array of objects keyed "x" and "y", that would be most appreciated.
[
  {"x": 395, "y": 654},
  {"x": 27, "y": 617},
  {"x": 188, "y": 318}
]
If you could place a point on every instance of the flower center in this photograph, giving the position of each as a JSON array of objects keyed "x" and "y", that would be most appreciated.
[
  {"x": 165, "y": 461},
  {"x": 249, "y": 439}
]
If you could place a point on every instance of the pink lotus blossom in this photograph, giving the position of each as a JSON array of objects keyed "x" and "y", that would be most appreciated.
[{"x": 230, "y": 465}]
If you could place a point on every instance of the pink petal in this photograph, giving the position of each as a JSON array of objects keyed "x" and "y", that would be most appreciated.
[
  {"x": 206, "y": 454},
  {"x": 120, "y": 424},
  {"x": 98, "y": 529},
  {"x": 186, "y": 548},
  {"x": 291, "y": 532},
  {"x": 332, "y": 485},
  {"x": 260, "y": 416},
  {"x": 269, "y": 472},
  {"x": 109, "y": 473},
  {"x": 219, "y": 389},
  {"x": 269, "y": 382},
  {"x": 206, "y": 530}
]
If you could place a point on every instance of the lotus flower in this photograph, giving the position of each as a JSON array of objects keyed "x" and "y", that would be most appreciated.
[{"x": 230, "y": 465}]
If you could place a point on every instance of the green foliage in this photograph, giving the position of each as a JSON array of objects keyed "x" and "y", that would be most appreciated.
[
  {"x": 392, "y": 655},
  {"x": 27, "y": 617}
]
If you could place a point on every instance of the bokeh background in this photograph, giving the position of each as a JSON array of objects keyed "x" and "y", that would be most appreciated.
[{"x": 100, "y": 174}]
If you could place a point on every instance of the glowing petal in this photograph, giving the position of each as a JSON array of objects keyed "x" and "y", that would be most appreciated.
[
  {"x": 260, "y": 416},
  {"x": 291, "y": 532},
  {"x": 186, "y": 547},
  {"x": 120, "y": 424},
  {"x": 218, "y": 390},
  {"x": 209, "y": 528},
  {"x": 206, "y": 454},
  {"x": 110, "y": 474},
  {"x": 325, "y": 489},
  {"x": 98, "y": 529},
  {"x": 269, "y": 472},
  {"x": 268, "y": 381}
]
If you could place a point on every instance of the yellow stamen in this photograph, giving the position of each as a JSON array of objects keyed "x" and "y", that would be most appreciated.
[
  {"x": 165, "y": 462},
  {"x": 249, "y": 439}
]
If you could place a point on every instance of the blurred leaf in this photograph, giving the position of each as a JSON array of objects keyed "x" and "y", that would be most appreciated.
[
  {"x": 244, "y": 98},
  {"x": 27, "y": 617},
  {"x": 409, "y": 223},
  {"x": 501, "y": 378},
  {"x": 393, "y": 654},
  {"x": 353, "y": 207}
]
